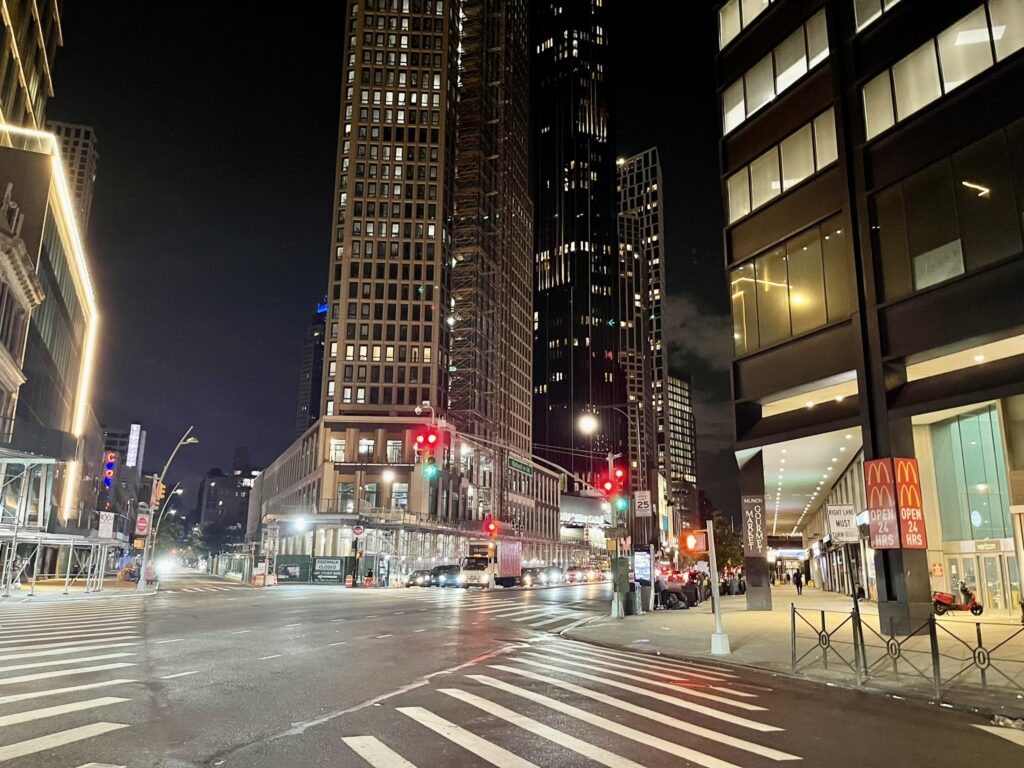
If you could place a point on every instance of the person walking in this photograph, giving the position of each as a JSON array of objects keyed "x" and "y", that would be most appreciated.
[{"x": 798, "y": 580}]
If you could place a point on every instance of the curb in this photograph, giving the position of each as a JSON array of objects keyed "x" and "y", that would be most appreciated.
[
  {"x": 29, "y": 599},
  {"x": 910, "y": 696}
]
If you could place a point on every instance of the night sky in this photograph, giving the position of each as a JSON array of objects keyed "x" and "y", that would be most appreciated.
[{"x": 211, "y": 222}]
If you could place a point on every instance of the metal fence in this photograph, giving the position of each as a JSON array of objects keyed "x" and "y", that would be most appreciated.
[{"x": 949, "y": 659}]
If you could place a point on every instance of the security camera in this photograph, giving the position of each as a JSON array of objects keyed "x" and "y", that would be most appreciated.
[{"x": 417, "y": 410}]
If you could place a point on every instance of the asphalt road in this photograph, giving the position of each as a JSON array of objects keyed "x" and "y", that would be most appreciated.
[{"x": 211, "y": 673}]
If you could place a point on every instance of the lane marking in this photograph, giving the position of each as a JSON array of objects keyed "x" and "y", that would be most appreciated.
[
  {"x": 690, "y": 706},
  {"x": 59, "y": 739},
  {"x": 618, "y": 729},
  {"x": 480, "y": 747},
  {"x": 381, "y": 637},
  {"x": 340, "y": 643},
  {"x": 67, "y": 635},
  {"x": 650, "y": 659},
  {"x": 595, "y": 753},
  {"x": 179, "y": 674},
  {"x": 687, "y": 726},
  {"x": 70, "y": 645},
  {"x": 421, "y": 630},
  {"x": 662, "y": 671},
  {"x": 534, "y": 614},
  {"x": 375, "y": 753},
  {"x": 101, "y": 765},
  {"x": 60, "y": 709},
  {"x": 10, "y": 699},
  {"x": 241, "y": 632},
  {"x": 272, "y": 656},
  {"x": 549, "y": 621},
  {"x": 175, "y": 640},
  {"x": 296, "y": 624},
  {"x": 571, "y": 624}
]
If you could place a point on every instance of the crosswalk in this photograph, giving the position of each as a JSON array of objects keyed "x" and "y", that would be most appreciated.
[
  {"x": 568, "y": 701},
  {"x": 63, "y": 674},
  {"x": 217, "y": 588}
]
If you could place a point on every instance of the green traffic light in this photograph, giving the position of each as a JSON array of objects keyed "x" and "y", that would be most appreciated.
[
  {"x": 430, "y": 471},
  {"x": 621, "y": 503}
]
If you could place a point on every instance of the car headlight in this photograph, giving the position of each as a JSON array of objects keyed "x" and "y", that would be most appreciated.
[{"x": 460, "y": 578}]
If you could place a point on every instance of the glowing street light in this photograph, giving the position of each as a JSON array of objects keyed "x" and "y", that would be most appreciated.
[{"x": 588, "y": 424}]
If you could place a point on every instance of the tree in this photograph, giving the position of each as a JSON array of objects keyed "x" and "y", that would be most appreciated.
[
  {"x": 728, "y": 543},
  {"x": 215, "y": 538},
  {"x": 168, "y": 538}
]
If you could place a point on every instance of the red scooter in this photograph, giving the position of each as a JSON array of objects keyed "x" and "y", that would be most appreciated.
[{"x": 943, "y": 601}]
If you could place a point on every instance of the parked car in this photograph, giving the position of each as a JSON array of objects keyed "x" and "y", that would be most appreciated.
[
  {"x": 574, "y": 574},
  {"x": 445, "y": 576},
  {"x": 418, "y": 579}
]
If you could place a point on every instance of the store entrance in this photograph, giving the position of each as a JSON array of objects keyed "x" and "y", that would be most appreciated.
[{"x": 993, "y": 575}]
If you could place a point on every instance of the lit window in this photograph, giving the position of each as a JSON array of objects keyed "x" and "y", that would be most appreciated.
[{"x": 965, "y": 50}]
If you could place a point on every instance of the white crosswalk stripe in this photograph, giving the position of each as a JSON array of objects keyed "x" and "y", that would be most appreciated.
[
  {"x": 574, "y": 711},
  {"x": 66, "y": 658},
  {"x": 480, "y": 747}
]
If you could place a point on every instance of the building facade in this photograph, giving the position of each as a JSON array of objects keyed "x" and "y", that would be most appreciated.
[
  {"x": 311, "y": 371},
  {"x": 31, "y": 34},
  {"x": 492, "y": 289},
  {"x": 871, "y": 176},
  {"x": 224, "y": 497},
  {"x": 78, "y": 148},
  {"x": 577, "y": 316},
  {"x": 681, "y": 439}
]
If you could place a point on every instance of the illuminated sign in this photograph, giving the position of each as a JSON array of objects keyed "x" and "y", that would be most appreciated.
[
  {"x": 908, "y": 495},
  {"x": 133, "y": 445},
  {"x": 883, "y": 523}
]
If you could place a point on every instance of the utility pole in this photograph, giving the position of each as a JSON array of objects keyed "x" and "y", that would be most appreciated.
[{"x": 719, "y": 640}]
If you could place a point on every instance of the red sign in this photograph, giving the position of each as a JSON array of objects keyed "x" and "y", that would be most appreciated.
[
  {"x": 883, "y": 522},
  {"x": 142, "y": 525},
  {"x": 357, "y": 530},
  {"x": 908, "y": 497}
]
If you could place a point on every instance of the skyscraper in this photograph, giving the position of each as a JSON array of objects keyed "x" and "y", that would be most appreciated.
[
  {"x": 492, "y": 278},
  {"x": 311, "y": 371},
  {"x": 78, "y": 150},
  {"x": 389, "y": 284},
  {"x": 681, "y": 440},
  {"x": 639, "y": 188},
  {"x": 576, "y": 290}
]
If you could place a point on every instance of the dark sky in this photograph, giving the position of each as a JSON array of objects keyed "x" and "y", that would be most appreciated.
[{"x": 212, "y": 215}]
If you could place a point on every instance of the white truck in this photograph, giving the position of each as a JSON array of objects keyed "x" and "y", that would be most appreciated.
[{"x": 497, "y": 563}]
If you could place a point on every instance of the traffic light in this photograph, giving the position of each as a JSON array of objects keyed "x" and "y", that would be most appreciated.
[
  {"x": 161, "y": 491},
  {"x": 608, "y": 486},
  {"x": 430, "y": 470},
  {"x": 109, "y": 465},
  {"x": 491, "y": 527},
  {"x": 428, "y": 439},
  {"x": 693, "y": 541},
  {"x": 621, "y": 503}
]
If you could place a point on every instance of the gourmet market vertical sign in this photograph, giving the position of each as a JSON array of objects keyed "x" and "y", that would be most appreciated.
[
  {"x": 908, "y": 498},
  {"x": 883, "y": 523},
  {"x": 755, "y": 534}
]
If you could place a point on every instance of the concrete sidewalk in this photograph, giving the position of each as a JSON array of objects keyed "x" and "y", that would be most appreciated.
[
  {"x": 763, "y": 640},
  {"x": 52, "y": 590}
]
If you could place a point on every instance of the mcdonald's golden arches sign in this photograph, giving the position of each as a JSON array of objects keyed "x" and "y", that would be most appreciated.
[
  {"x": 908, "y": 497},
  {"x": 883, "y": 524}
]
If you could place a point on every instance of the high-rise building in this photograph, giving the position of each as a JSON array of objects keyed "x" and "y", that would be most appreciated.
[
  {"x": 31, "y": 34},
  {"x": 402, "y": 333},
  {"x": 492, "y": 283},
  {"x": 311, "y": 371},
  {"x": 576, "y": 288},
  {"x": 78, "y": 150},
  {"x": 681, "y": 439},
  {"x": 639, "y": 188},
  {"x": 224, "y": 497},
  {"x": 871, "y": 174}
]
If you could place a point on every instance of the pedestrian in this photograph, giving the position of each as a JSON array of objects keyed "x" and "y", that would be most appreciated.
[{"x": 798, "y": 580}]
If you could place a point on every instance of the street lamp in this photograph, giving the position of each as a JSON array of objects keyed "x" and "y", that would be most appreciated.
[
  {"x": 388, "y": 475},
  {"x": 588, "y": 424},
  {"x": 186, "y": 439}
]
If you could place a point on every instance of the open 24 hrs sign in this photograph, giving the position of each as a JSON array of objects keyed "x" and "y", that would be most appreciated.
[{"x": 895, "y": 514}]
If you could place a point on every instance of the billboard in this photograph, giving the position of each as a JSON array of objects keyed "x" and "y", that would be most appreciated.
[
  {"x": 908, "y": 497},
  {"x": 883, "y": 525},
  {"x": 24, "y": 189}
]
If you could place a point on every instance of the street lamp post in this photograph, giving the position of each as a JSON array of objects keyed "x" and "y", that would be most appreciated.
[{"x": 187, "y": 439}]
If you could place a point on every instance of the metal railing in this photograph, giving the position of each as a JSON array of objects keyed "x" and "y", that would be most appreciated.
[{"x": 949, "y": 659}]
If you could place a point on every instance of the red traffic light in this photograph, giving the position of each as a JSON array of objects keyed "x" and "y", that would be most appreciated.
[
  {"x": 428, "y": 438},
  {"x": 491, "y": 527},
  {"x": 619, "y": 473},
  {"x": 608, "y": 486}
]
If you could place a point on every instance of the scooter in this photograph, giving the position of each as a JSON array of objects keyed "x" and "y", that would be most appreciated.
[{"x": 943, "y": 601}]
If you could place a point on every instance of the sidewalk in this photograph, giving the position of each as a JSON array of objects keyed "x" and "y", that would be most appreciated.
[
  {"x": 52, "y": 590},
  {"x": 993, "y": 681}
]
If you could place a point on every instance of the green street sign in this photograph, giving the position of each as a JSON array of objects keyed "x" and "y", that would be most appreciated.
[{"x": 519, "y": 466}]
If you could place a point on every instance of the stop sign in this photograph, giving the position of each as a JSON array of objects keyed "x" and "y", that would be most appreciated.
[
  {"x": 357, "y": 530},
  {"x": 142, "y": 525}
]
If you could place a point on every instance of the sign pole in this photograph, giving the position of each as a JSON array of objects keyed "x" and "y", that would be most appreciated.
[{"x": 719, "y": 640}]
